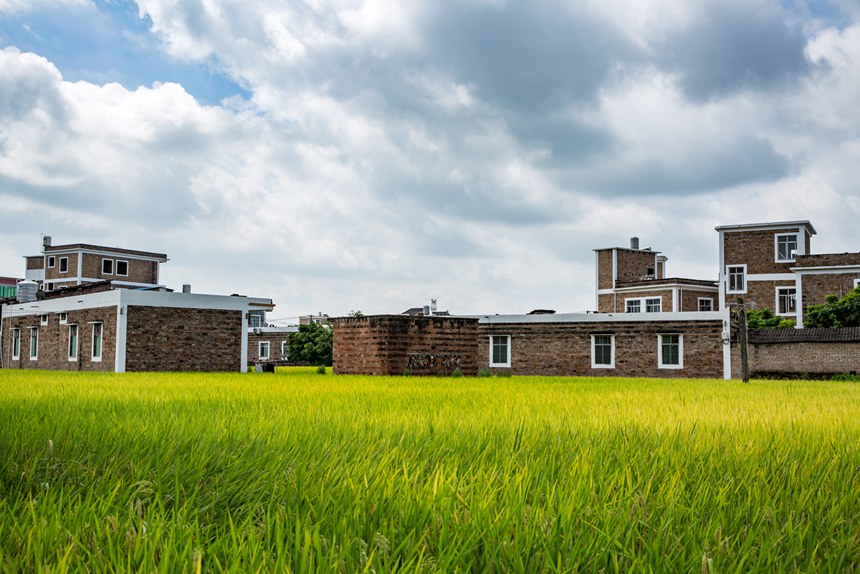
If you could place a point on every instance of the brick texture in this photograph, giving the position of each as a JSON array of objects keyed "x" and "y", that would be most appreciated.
[
  {"x": 820, "y": 359},
  {"x": 391, "y": 344},
  {"x": 757, "y": 250},
  {"x": 633, "y": 265},
  {"x": 817, "y": 287},
  {"x": 274, "y": 339},
  {"x": 564, "y": 349},
  {"x": 604, "y": 269},
  {"x": 54, "y": 341},
  {"x": 138, "y": 271},
  {"x": 171, "y": 339}
]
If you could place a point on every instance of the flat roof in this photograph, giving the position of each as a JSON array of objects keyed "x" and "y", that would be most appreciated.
[
  {"x": 101, "y": 248},
  {"x": 768, "y": 225}
]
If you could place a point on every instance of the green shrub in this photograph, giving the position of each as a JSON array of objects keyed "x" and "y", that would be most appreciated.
[
  {"x": 407, "y": 372},
  {"x": 485, "y": 373},
  {"x": 457, "y": 373},
  {"x": 321, "y": 370}
]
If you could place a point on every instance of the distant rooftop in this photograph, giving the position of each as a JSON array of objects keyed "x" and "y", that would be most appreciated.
[
  {"x": 768, "y": 225},
  {"x": 88, "y": 247}
]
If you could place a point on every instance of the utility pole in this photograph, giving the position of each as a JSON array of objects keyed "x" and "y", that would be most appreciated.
[{"x": 742, "y": 341}]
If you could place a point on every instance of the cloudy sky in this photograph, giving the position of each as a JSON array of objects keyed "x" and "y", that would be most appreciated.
[{"x": 372, "y": 154}]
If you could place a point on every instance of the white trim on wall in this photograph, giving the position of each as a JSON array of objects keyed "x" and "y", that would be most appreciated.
[{"x": 611, "y": 364}]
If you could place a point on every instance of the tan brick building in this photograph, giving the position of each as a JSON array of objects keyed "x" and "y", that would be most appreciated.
[
  {"x": 128, "y": 330},
  {"x": 63, "y": 266}
]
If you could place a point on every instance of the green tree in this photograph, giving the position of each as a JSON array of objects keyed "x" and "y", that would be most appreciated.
[
  {"x": 758, "y": 319},
  {"x": 836, "y": 312},
  {"x": 312, "y": 343}
]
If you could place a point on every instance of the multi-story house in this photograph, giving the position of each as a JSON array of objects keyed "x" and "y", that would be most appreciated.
[
  {"x": 76, "y": 264},
  {"x": 770, "y": 265},
  {"x": 633, "y": 280}
]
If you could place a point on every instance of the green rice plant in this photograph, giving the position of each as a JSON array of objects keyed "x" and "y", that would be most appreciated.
[{"x": 293, "y": 473}]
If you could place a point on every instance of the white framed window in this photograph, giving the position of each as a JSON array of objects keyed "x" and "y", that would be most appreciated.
[
  {"x": 649, "y": 304},
  {"x": 52, "y": 261},
  {"x": 856, "y": 283},
  {"x": 63, "y": 317},
  {"x": 254, "y": 321},
  {"x": 64, "y": 265},
  {"x": 43, "y": 320},
  {"x": 706, "y": 304},
  {"x": 73, "y": 342},
  {"x": 633, "y": 305},
  {"x": 107, "y": 266},
  {"x": 653, "y": 305},
  {"x": 670, "y": 351},
  {"x": 34, "y": 343},
  {"x": 786, "y": 300},
  {"x": 98, "y": 336},
  {"x": 263, "y": 351},
  {"x": 16, "y": 344},
  {"x": 122, "y": 268},
  {"x": 500, "y": 350},
  {"x": 285, "y": 350},
  {"x": 603, "y": 351},
  {"x": 736, "y": 279},
  {"x": 785, "y": 246},
  {"x": 50, "y": 287}
]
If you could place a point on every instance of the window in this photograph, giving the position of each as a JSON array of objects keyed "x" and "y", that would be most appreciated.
[
  {"x": 500, "y": 355},
  {"x": 786, "y": 247},
  {"x": 64, "y": 318},
  {"x": 73, "y": 342},
  {"x": 603, "y": 351},
  {"x": 98, "y": 329},
  {"x": 670, "y": 352},
  {"x": 122, "y": 268},
  {"x": 706, "y": 304},
  {"x": 64, "y": 264},
  {"x": 856, "y": 283},
  {"x": 34, "y": 343},
  {"x": 786, "y": 300},
  {"x": 650, "y": 304},
  {"x": 43, "y": 320},
  {"x": 52, "y": 261},
  {"x": 107, "y": 266},
  {"x": 285, "y": 350},
  {"x": 264, "y": 351},
  {"x": 254, "y": 320},
  {"x": 737, "y": 276},
  {"x": 16, "y": 344}
]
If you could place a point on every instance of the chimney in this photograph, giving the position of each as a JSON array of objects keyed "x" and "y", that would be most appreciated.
[
  {"x": 634, "y": 243},
  {"x": 426, "y": 309},
  {"x": 46, "y": 241},
  {"x": 186, "y": 288}
]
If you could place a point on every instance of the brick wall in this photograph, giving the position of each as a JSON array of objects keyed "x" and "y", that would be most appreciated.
[
  {"x": 391, "y": 344},
  {"x": 138, "y": 271},
  {"x": 53, "y": 273},
  {"x": 831, "y": 358},
  {"x": 828, "y": 260},
  {"x": 564, "y": 349},
  {"x": 54, "y": 341},
  {"x": 274, "y": 339},
  {"x": 690, "y": 299},
  {"x": 757, "y": 250},
  {"x": 761, "y": 294},
  {"x": 604, "y": 269},
  {"x": 633, "y": 265},
  {"x": 817, "y": 287},
  {"x": 35, "y": 262},
  {"x": 171, "y": 339}
]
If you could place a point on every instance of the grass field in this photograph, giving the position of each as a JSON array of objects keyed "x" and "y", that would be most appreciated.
[{"x": 302, "y": 472}]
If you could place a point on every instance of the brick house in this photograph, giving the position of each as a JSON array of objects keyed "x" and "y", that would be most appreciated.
[
  {"x": 63, "y": 266},
  {"x": 770, "y": 265},
  {"x": 128, "y": 330},
  {"x": 633, "y": 280},
  {"x": 270, "y": 344}
]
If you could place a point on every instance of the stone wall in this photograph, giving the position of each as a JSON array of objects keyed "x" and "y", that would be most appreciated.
[
  {"x": 393, "y": 344},
  {"x": 53, "y": 348},
  {"x": 172, "y": 339},
  {"x": 564, "y": 349}
]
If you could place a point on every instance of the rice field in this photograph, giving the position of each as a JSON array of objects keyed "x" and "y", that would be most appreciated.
[{"x": 299, "y": 472}]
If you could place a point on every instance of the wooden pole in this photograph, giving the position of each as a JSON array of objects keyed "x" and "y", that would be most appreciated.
[{"x": 742, "y": 341}]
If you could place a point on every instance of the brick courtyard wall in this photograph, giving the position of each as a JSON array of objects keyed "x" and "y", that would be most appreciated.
[
  {"x": 173, "y": 339},
  {"x": 391, "y": 344},
  {"x": 564, "y": 349},
  {"x": 54, "y": 341},
  {"x": 820, "y": 359}
]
